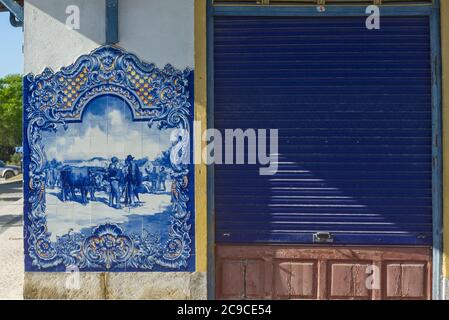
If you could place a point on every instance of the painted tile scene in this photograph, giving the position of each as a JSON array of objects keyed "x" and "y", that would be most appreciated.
[
  {"x": 110, "y": 187},
  {"x": 107, "y": 169}
]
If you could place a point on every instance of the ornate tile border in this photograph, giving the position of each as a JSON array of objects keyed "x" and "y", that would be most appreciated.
[{"x": 55, "y": 100}]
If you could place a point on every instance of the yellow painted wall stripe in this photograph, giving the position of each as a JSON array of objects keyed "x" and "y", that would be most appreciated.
[
  {"x": 201, "y": 115},
  {"x": 445, "y": 90}
]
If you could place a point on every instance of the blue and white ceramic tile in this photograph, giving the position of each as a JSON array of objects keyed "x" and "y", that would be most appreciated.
[{"x": 105, "y": 187}]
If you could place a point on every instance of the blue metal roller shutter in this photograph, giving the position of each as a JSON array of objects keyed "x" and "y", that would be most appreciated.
[{"x": 353, "y": 109}]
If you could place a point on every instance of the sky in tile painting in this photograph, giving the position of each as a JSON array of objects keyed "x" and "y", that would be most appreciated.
[
  {"x": 107, "y": 130},
  {"x": 11, "y": 56}
]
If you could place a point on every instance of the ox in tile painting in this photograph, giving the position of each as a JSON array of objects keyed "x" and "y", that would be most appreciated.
[{"x": 108, "y": 179}]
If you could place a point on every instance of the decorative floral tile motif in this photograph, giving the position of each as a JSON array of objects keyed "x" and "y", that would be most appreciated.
[{"x": 106, "y": 187}]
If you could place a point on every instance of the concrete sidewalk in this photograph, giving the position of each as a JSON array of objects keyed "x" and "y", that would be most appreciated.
[
  {"x": 17, "y": 178},
  {"x": 11, "y": 251}
]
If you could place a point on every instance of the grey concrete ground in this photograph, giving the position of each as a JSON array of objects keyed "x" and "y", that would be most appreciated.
[{"x": 11, "y": 241}]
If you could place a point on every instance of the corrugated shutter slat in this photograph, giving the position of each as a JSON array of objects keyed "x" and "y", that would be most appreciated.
[{"x": 353, "y": 109}]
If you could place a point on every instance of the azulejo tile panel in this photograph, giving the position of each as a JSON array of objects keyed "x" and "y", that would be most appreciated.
[{"x": 107, "y": 173}]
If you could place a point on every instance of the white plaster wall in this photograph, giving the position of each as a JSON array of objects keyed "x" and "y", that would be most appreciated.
[
  {"x": 49, "y": 43},
  {"x": 158, "y": 31}
]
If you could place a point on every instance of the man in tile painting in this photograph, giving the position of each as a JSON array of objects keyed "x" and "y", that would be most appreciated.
[
  {"x": 52, "y": 174},
  {"x": 152, "y": 177},
  {"x": 115, "y": 177},
  {"x": 161, "y": 180},
  {"x": 132, "y": 174}
]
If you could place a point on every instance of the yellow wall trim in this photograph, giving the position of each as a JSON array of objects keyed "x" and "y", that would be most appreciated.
[{"x": 201, "y": 115}]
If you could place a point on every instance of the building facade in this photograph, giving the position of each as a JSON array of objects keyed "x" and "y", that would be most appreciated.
[{"x": 356, "y": 207}]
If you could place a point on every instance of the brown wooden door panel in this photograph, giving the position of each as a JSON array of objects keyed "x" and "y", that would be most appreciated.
[{"x": 322, "y": 272}]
